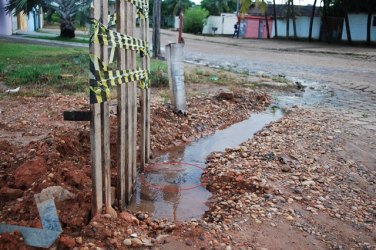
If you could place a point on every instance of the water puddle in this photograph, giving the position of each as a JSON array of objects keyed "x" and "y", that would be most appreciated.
[{"x": 171, "y": 188}]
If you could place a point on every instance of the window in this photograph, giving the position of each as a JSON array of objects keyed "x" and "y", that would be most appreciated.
[{"x": 374, "y": 20}]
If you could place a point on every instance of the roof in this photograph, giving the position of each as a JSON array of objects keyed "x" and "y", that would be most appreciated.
[{"x": 281, "y": 10}]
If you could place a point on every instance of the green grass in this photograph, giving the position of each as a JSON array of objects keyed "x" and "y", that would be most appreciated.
[
  {"x": 40, "y": 68},
  {"x": 158, "y": 73},
  {"x": 62, "y": 39}
]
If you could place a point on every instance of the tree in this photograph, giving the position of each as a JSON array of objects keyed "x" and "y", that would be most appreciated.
[
  {"x": 311, "y": 22},
  {"x": 275, "y": 20},
  {"x": 66, "y": 9},
  {"x": 194, "y": 19},
  {"x": 156, "y": 28},
  {"x": 217, "y": 7},
  {"x": 263, "y": 5},
  {"x": 370, "y": 5},
  {"x": 325, "y": 20},
  {"x": 293, "y": 18},
  {"x": 174, "y": 7},
  {"x": 288, "y": 20},
  {"x": 347, "y": 23}
]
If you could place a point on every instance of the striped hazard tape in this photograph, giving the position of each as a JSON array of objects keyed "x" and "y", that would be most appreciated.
[
  {"x": 102, "y": 78},
  {"x": 107, "y": 37},
  {"x": 142, "y": 7},
  {"x": 112, "y": 20}
]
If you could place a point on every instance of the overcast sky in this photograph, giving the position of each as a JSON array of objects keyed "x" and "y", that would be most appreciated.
[{"x": 296, "y": 2}]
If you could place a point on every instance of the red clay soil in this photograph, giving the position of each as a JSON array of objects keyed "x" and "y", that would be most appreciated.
[{"x": 38, "y": 150}]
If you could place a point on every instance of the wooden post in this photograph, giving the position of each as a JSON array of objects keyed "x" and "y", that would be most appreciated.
[
  {"x": 145, "y": 103},
  {"x": 105, "y": 127},
  {"x": 128, "y": 114},
  {"x": 121, "y": 99},
  {"x": 95, "y": 134},
  {"x": 180, "y": 37},
  {"x": 134, "y": 102}
]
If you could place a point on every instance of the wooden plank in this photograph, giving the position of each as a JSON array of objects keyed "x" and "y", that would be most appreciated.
[
  {"x": 147, "y": 103},
  {"x": 106, "y": 131},
  {"x": 121, "y": 98},
  {"x": 77, "y": 115},
  {"x": 128, "y": 115},
  {"x": 95, "y": 135},
  {"x": 96, "y": 158},
  {"x": 143, "y": 101},
  {"x": 134, "y": 102}
]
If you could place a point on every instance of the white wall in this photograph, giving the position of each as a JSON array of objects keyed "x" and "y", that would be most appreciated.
[
  {"x": 302, "y": 27},
  {"x": 224, "y": 24},
  {"x": 358, "y": 28},
  {"x": 5, "y": 20},
  {"x": 30, "y": 22}
]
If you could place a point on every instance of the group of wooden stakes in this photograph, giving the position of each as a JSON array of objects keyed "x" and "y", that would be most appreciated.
[{"x": 128, "y": 96}]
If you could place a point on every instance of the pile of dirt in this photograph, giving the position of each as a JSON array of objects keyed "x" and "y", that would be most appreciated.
[
  {"x": 57, "y": 154},
  {"x": 292, "y": 179}
]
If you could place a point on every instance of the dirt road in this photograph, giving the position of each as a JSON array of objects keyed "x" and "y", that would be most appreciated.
[
  {"x": 351, "y": 67},
  {"x": 306, "y": 181},
  {"x": 349, "y": 73}
]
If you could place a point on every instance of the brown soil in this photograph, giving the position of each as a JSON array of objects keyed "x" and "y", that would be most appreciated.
[{"x": 38, "y": 150}]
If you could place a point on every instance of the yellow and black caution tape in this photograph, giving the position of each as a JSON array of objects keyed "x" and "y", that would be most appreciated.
[
  {"x": 142, "y": 7},
  {"x": 112, "y": 20},
  {"x": 107, "y": 37},
  {"x": 103, "y": 78}
]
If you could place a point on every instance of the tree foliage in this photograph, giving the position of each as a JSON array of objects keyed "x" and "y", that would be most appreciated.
[
  {"x": 194, "y": 19},
  {"x": 215, "y": 8},
  {"x": 66, "y": 9},
  {"x": 174, "y": 7}
]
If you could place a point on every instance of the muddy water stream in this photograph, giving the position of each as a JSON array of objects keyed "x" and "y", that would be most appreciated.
[{"x": 170, "y": 187}]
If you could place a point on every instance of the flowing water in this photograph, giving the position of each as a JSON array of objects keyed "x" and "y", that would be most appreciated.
[{"x": 170, "y": 187}]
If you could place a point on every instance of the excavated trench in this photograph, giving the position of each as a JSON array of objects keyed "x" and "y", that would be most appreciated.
[{"x": 170, "y": 186}]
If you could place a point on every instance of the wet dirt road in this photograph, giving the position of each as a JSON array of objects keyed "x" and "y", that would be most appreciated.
[
  {"x": 348, "y": 72},
  {"x": 347, "y": 75},
  {"x": 352, "y": 67}
]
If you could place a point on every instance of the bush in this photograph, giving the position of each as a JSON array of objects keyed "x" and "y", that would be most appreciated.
[
  {"x": 158, "y": 73},
  {"x": 194, "y": 19}
]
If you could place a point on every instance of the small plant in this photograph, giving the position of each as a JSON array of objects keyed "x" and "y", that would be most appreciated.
[
  {"x": 199, "y": 72},
  {"x": 165, "y": 96},
  {"x": 158, "y": 74}
]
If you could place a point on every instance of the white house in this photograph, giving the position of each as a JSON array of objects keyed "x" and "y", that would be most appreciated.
[
  {"x": 9, "y": 24},
  {"x": 358, "y": 27},
  {"x": 255, "y": 18},
  {"x": 220, "y": 25},
  {"x": 5, "y": 20},
  {"x": 302, "y": 24}
]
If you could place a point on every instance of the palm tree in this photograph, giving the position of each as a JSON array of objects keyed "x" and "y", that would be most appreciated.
[
  {"x": 288, "y": 20},
  {"x": 293, "y": 18},
  {"x": 370, "y": 5},
  {"x": 275, "y": 20},
  {"x": 263, "y": 5},
  {"x": 325, "y": 20},
  {"x": 66, "y": 9},
  {"x": 176, "y": 6},
  {"x": 311, "y": 22},
  {"x": 345, "y": 6}
]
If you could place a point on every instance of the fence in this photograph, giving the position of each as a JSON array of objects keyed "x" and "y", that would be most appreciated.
[{"x": 125, "y": 80}]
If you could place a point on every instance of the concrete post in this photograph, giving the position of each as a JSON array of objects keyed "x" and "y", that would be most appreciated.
[{"x": 175, "y": 63}]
